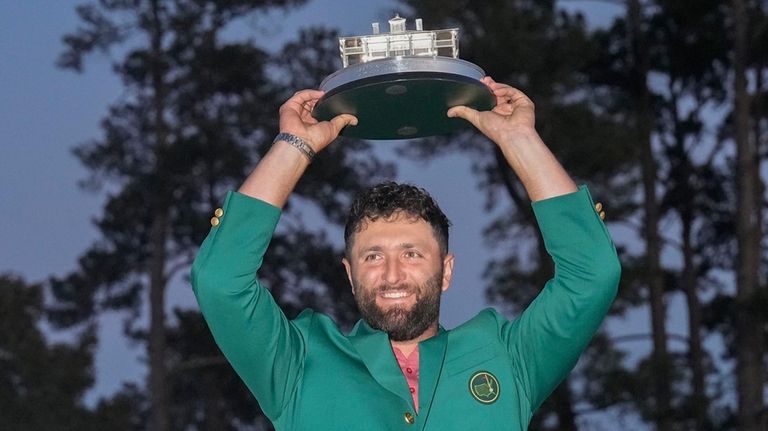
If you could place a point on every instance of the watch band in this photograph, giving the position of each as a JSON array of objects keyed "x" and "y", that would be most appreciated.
[{"x": 296, "y": 142}]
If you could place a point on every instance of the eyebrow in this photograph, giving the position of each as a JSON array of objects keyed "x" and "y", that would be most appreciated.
[{"x": 401, "y": 246}]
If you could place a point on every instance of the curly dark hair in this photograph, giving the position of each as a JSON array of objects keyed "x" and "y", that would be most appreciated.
[{"x": 390, "y": 198}]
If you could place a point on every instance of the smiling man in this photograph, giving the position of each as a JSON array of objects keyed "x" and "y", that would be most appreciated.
[
  {"x": 397, "y": 261},
  {"x": 397, "y": 368}
]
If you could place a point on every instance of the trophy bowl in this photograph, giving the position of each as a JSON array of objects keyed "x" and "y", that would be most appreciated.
[{"x": 400, "y": 85}]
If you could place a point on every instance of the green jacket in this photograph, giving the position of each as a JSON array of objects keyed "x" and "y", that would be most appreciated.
[{"x": 488, "y": 373}]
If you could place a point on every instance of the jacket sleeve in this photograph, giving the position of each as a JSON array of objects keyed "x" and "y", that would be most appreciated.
[
  {"x": 547, "y": 339},
  {"x": 263, "y": 346}
]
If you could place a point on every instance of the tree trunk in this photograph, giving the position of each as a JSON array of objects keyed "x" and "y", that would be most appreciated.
[
  {"x": 158, "y": 391},
  {"x": 566, "y": 417},
  {"x": 654, "y": 279},
  {"x": 214, "y": 417},
  {"x": 749, "y": 336},
  {"x": 689, "y": 275},
  {"x": 699, "y": 399},
  {"x": 159, "y": 411}
]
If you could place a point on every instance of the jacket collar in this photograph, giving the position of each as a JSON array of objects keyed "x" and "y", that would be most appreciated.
[{"x": 375, "y": 350}]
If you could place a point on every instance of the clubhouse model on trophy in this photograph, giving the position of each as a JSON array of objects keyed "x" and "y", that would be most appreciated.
[{"x": 401, "y": 84}]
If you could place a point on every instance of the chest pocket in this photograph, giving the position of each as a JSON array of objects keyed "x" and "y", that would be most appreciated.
[{"x": 471, "y": 360}]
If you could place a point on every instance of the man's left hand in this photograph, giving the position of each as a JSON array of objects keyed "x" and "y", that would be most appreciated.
[{"x": 513, "y": 113}]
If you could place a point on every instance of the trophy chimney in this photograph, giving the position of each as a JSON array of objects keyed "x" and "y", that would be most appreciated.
[{"x": 397, "y": 24}]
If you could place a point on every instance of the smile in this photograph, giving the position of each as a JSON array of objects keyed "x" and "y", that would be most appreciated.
[{"x": 395, "y": 294}]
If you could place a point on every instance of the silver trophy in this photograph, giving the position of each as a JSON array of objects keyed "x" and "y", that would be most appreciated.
[{"x": 401, "y": 84}]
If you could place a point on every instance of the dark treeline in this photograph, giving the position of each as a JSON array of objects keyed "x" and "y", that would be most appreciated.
[{"x": 662, "y": 113}]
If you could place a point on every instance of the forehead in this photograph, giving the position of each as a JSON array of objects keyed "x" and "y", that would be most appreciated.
[{"x": 396, "y": 229}]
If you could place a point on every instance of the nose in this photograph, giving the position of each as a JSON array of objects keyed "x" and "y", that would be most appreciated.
[{"x": 393, "y": 273}]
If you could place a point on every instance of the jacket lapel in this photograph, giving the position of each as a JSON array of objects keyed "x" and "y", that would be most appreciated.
[
  {"x": 431, "y": 358},
  {"x": 376, "y": 352}
]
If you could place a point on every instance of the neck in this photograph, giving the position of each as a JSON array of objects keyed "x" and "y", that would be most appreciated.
[{"x": 408, "y": 346}]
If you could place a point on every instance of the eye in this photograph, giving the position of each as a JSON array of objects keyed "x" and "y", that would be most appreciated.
[
  {"x": 412, "y": 254},
  {"x": 371, "y": 257}
]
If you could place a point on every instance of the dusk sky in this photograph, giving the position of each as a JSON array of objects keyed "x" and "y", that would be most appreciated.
[{"x": 46, "y": 111}]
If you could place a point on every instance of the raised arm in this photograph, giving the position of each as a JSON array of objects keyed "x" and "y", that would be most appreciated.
[
  {"x": 263, "y": 346},
  {"x": 546, "y": 341}
]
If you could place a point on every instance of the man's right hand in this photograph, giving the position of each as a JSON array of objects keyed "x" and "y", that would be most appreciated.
[
  {"x": 280, "y": 169},
  {"x": 296, "y": 119}
]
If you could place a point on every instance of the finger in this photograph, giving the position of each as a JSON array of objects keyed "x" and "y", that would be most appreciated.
[
  {"x": 340, "y": 121},
  {"x": 487, "y": 80},
  {"x": 499, "y": 88},
  {"x": 310, "y": 104},
  {"x": 303, "y": 97},
  {"x": 306, "y": 116},
  {"x": 504, "y": 90},
  {"x": 306, "y": 111},
  {"x": 464, "y": 112},
  {"x": 511, "y": 96},
  {"x": 502, "y": 108},
  {"x": 520, "y": 100},
  {"x": 307, "y": 95},
  {"x": 502, "y": 100}
]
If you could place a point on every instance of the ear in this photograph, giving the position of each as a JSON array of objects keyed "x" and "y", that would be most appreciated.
[
  {"x": 447, "y": 271},
  {"x": 348, "y": 268}
]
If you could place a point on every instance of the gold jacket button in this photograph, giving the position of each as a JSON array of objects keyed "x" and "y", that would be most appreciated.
[
  {"x": 219, "y": 212},
  {"x": 599, "y": 209},
  {"x": 409, "y": 418},
  {"x": 214, "y": 221}
]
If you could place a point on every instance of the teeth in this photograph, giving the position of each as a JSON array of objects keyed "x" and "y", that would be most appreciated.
[{"x": 394, "y": 295}]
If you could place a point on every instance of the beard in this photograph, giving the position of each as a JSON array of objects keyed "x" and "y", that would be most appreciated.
[{"x": 400, "y": 322}]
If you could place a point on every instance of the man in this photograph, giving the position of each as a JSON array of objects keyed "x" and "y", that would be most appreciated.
[{"x": 398, "y": 369}]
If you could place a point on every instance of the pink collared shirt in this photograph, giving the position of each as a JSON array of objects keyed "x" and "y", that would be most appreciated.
[{"x": 410, "y": 367}]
